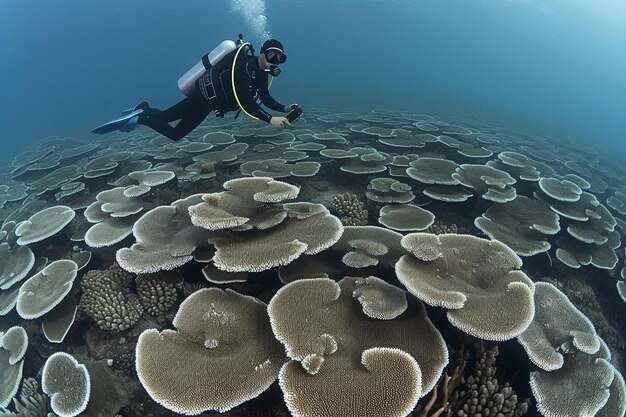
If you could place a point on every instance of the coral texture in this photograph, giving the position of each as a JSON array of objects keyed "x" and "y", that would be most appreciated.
[
  {"x": 108, "y": 300},
  {"x": 351, "y": 210}
]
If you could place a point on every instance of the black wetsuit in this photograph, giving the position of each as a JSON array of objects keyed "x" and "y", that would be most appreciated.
[{"x": 251, "y": 82}]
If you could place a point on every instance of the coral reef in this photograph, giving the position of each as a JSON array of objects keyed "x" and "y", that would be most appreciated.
[
  {"x": 475, "y": 392},
  {"x": 389, "y": 190},
  {"x": 67, "y": 382},
  {"x": 440, "y": 228},
  {"x": 189, "y": 288},
  {"x": 249, "y": 229},
  {"x": 109, "y": 393},
  {"x": 108, "y": 300},
  {"x": 584, "y": 298},
  {"x": 125, "y": 363},
  {"x": 31, "y": 403},
  {"x": 157, "y": 294},
  {"x": 30, "y": 387},
  {"x": 351, "y": 210},
  {"x": 278, "y": 411},
  {"x": 558, "y": 326},
  {"x": 399, "y": 346},
  {"x": 436, "y": 272},
  {"x": 349, "y": 329},
  {"x": 225, "y": 339},
  {"x": 582, "y": 386}
]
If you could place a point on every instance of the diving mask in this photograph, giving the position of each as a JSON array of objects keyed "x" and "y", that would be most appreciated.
[{"x": 275, "y": 56}]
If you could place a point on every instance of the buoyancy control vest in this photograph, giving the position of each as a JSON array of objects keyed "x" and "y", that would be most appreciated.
[
  {"x": 187, "y": 83},
  {"x": 216, "y": 85},
  {"x": 213, "y": 79}
]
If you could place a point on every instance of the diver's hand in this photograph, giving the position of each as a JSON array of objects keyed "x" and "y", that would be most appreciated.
[
  {"x": 280, "y": 123},
  {"x": 290, "y": 107}
]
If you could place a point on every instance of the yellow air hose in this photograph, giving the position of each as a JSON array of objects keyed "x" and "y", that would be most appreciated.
[{"x": 232, "y": 78}]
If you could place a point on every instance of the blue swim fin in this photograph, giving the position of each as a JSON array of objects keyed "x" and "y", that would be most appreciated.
[
  {"x": 125, "y": 123},
  {"x": 130, "y": 124},
  {"x": 143, "y": 106}
]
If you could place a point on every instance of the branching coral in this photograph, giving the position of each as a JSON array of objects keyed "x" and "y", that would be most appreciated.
[
  {"x": 107, "y": 299},
  {"x": 476, "y": 392},
  {"x": 32, "y": 403},
  {"x": 351, "y": 210},
  {"x": 440, "y": 228},
  {"x": 157, "y": 294},
  {"x": 30, "y": 387}
]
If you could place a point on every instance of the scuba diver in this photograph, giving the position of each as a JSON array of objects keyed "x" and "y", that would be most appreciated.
[{"x": 228, "y": 78}]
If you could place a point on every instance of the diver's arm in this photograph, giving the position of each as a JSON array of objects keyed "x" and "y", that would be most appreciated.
[
  {"x": 267, "y": 98},
  {"x": 242, "y": 84}
]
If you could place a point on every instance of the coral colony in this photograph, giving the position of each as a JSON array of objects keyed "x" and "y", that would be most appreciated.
[{"x": 358, "y": 264}]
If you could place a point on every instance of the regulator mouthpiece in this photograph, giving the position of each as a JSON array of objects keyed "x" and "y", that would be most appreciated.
[{"x": 274, "y": 71}]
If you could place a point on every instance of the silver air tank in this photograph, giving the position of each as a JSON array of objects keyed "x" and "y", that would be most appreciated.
[{"x": 186, "y": 83}]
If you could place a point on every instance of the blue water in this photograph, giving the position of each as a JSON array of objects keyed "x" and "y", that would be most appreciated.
[
  {"x": 526, "y": 76},
  {"x": 69, "y": 65},
  {"x": 546, "y": 73}
]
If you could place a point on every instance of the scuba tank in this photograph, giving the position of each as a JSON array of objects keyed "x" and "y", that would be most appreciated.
[{"x": 186, "y": 83}]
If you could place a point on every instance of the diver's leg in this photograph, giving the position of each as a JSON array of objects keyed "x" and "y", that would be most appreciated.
[
  {"x": 177, "y": 111},
  {"x": 188, "y": 122},
  {"x": 157, "y": 125}
]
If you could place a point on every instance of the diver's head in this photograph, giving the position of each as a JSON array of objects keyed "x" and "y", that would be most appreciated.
[
  {"x": 273, "y": 52},
  {"x": 272, "y": 55}
]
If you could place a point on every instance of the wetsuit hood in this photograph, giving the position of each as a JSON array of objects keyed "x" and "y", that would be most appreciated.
[{"x": 272, "y": 44}]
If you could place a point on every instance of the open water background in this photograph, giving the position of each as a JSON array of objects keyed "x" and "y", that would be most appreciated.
[{"x": 69, "y": 65}]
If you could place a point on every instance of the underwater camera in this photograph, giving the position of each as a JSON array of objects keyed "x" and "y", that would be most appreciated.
[{"x": 295, "y": 113}]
